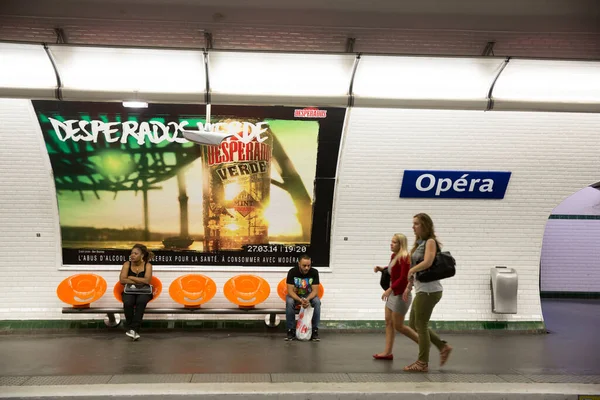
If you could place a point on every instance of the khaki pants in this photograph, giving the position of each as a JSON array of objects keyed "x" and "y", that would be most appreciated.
[{"x": 420, "y": 313}]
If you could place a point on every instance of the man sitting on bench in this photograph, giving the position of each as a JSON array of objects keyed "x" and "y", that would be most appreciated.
[{"x": 303, "y": 287}]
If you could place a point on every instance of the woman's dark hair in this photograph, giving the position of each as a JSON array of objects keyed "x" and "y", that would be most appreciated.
[{"x": 147, "y": 255}]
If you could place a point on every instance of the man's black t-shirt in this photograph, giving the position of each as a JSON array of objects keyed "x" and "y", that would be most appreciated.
[{"x": 303, "y": 282}]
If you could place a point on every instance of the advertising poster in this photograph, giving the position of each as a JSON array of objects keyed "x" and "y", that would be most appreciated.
[{"x": 262, "y": 197}]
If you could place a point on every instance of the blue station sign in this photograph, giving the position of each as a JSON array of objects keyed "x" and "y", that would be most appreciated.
[{"x": 454, "y": 184}]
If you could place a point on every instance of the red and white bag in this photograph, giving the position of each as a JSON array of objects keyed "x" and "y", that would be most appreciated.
[{"x": 304, "y": 324}]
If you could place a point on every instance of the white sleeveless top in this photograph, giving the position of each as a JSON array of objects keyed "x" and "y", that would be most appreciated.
[{"x": 416, "y": 258}]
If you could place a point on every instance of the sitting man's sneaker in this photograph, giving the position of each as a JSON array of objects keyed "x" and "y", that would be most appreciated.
[
  {"x": 291, "y": 334},
  {"x": 131, "y": 333},
  {"x": 136, "y": 336},
  {"x": 315, "y": 335}
]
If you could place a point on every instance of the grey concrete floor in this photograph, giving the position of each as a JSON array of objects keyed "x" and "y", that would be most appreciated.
[{"x": 571, "y": 348}]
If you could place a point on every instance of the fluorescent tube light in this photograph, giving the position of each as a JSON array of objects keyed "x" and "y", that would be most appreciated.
[{"x": 135, "y": 104}]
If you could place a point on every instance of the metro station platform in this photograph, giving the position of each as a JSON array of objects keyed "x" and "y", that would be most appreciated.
[{"x": 563, "y": 364}]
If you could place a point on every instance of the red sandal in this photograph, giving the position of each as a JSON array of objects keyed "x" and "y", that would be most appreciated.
[{"x": 388, "y": 357}]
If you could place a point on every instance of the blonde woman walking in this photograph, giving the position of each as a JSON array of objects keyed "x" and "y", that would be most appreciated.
[{"x": 397, "y": 297}]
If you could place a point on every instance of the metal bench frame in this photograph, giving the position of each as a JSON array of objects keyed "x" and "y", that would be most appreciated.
[{"x": 113, "y": 317}]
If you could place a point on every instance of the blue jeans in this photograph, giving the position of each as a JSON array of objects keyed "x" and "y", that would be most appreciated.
[{"x": 290, "y": 312}]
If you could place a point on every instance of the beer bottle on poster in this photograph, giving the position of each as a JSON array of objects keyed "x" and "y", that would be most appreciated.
[{"x": 236, "y": 188}]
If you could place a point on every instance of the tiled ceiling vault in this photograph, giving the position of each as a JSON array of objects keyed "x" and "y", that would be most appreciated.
[{"x": 533, "y": 28}]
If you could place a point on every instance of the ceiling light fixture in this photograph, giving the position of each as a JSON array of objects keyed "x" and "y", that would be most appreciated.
[{"x": 135, "y": 104}]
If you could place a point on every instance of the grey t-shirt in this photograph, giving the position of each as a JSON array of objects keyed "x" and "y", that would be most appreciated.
[{"x": 417, "y": 257}]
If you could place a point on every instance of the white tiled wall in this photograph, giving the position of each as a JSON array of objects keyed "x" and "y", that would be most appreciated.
[
  {"x": 570, "y": 252},
  {"x": 28, "y": 263},
  {"x": 571, "y": 256},
  {"x": 538, "y": 148},
  {"x": 550, "y": 156}
]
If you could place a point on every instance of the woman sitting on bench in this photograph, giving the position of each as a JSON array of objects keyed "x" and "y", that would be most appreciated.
[{"x": 135, "y": 276}]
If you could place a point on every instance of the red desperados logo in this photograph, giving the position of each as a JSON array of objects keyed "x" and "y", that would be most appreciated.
[{"x": 310, "y": 112}]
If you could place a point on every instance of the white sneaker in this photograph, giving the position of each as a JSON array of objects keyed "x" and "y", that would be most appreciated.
[
  {"x": 131, "y": 333},
  {"x": 136, "y": 336}
]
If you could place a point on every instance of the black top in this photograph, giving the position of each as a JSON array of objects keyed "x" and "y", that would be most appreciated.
[
  {"x": 303, "y": 282},
  {"x": 131, "y": 273}
]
